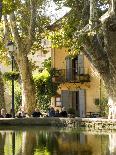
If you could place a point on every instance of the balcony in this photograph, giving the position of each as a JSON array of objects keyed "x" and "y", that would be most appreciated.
[{"x": 71, "y": 75}]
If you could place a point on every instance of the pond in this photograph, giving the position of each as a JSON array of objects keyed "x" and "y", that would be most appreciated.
[{"x": 55, "y": 141}]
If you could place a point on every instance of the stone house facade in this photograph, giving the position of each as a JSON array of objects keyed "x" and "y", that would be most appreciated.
[{"x": 79, "y": 82}]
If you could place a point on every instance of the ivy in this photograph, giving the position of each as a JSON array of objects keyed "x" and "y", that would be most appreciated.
[{"x": 45, "y": 88}]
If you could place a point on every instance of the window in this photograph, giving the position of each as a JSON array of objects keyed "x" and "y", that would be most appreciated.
[{"x": 58, "y": 101}]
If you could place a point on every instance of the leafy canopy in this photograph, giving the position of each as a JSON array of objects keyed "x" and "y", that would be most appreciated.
[{"x": 69, "y": 33}]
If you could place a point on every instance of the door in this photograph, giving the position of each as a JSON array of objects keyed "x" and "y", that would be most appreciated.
[{"x": 74, "y": 99}]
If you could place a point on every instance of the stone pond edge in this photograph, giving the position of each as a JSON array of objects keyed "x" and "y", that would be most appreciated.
[{"x": 79, "y": 123}]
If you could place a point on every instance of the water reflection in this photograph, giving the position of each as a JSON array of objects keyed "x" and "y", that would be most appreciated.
[
  {"x": 38, "y": 141},
  {"x": 112, "y": 144},
  {"x": 2, "y": 142},
  {"x": 13, "y": 143}
]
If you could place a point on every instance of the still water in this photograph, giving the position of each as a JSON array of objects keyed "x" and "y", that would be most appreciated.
[{"x": 55, "y": 141}]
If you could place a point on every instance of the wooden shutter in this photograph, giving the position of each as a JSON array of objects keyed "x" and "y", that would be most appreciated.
[
  {"x": 82, "y": 103},
  {"x": 66, "y": 98},
  {"x": 68, "y": 68},
  {"x": 81, "y": 64}
]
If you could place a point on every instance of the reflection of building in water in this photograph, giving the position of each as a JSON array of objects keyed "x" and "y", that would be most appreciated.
[
  {"x": 74, "y": 144},
  {"x": 112, "y": 144},
  {"x": 99, "y": 143}
]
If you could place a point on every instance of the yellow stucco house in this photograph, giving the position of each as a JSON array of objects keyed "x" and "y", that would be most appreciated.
[{"x": 79, "y": 82}]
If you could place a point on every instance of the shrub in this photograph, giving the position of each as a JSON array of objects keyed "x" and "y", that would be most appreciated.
[{"x": 71, "y": 111}]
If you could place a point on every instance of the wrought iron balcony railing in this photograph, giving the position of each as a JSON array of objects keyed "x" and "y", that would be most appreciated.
[{"x": 79, "y": 75}]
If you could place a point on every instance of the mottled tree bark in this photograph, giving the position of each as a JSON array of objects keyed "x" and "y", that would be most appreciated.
[
  {"x": 28, "y": 88},
  {"x": 102, "y": 51},
  {"x": 23, "y": 46}
]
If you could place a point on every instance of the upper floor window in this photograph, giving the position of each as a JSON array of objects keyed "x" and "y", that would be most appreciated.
[{"x": 74, "y": 67}]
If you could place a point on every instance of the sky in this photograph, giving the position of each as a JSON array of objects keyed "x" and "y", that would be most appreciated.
[{"x": 55, "y": 13}]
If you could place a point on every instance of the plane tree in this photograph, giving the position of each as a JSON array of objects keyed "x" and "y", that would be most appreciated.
[{"x": 24, "y": 24}]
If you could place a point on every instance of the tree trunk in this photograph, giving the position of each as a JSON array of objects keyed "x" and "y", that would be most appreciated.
[
  {"x": 110, "y": 83},
  {"x": 24, "y": 37},
  {"x": 28, "y": 89},
  {"x": 101, "y": 51},
  {"x": 109, "y": 31},
  {"x": 2, "y": 101}
]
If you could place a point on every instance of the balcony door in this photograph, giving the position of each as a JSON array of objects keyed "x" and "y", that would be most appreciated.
[{"x": 74, "y": 67}]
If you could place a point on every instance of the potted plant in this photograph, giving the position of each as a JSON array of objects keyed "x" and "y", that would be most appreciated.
[
  {"x": 11, "y": 75},
  {"x": 71, "y": 112}
]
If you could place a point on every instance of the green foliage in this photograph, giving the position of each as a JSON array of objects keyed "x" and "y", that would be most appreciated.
[
  {"x": 43, "y": 102},
  {"x": 9, "y": 6},
  {"x": 71, "y": 111},
  {"x": 47, "y": 64},
  {"x": 23, "y": 18},
  {"x": 17, "y": 93},
  {"x": 18, "y": 96},
  {"x": 45, "y": 88},
  {"x": 71, "y": 33},
  {"x": 103, "y": 106},
  {"x": 11, "y": 75},
  {"x": 97, "y": 101},
  {"x": 8, "y": 76},
  {"x": 23, "y": 12}
]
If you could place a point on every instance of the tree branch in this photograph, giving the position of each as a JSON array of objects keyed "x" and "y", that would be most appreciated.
[
  {"x": 14, "y": 29},
  {"x": 33, "y": 5},
  {"x": 6, "y": 29},
  {"x": 113, "y": 6},
  {"x": 96, "y": 54},
  {"x": 93, "y": 13}
]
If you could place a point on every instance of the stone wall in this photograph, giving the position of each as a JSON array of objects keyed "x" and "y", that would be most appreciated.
[{"x": 79, "y": 123}]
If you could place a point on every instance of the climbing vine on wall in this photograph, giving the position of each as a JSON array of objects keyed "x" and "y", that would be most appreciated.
[{"x": 45, "y": 88}]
